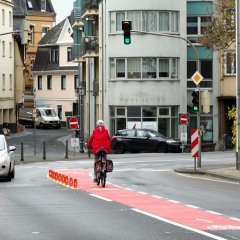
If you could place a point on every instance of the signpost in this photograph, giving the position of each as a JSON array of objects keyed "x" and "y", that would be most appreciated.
[
  {"x": 183, "y": 118},
  {"x": 194, "y": 145},
  {"x": 73, "y": 123}
]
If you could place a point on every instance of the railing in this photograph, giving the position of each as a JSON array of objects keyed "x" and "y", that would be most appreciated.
[{"x": 90, "y": 43}]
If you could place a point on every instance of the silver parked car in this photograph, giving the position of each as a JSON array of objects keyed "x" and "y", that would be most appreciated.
[{"x": 7, "y": 164}]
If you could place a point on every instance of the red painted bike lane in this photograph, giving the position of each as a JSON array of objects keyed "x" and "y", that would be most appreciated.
[{"x": 175, "y": 212}]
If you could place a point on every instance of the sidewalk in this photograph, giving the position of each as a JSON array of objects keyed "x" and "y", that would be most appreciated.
[{"x": 225, "y": 171}]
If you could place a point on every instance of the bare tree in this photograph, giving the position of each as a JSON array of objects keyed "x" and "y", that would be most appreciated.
[{"x": 219, "y": 34}]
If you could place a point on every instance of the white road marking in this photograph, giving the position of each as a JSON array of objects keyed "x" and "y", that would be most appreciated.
[
  {"x": 214, "y": 212},
  {"x": 192, "y": 206},
  {"x": 203, "y": 220},
  {"x": 102, "y": 198},
  {"x": 179, "y": 225}
]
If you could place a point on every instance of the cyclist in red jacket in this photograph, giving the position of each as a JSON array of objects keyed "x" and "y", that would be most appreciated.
[{"x": 99, "y": 140}]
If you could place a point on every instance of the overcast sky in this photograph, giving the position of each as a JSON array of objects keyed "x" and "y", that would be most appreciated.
[{"x": 62, "y": 8}]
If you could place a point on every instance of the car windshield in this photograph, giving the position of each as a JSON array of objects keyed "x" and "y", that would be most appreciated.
[
  {"x": 48, "y": 112},
  {"x": 2, "y": 144},
  {"x": 154, "y": 133}
]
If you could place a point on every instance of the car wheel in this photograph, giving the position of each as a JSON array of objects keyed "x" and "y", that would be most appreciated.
[
  {"x": 13, "y": 173},
  {"x": 119, "y": 148},
  {"x": 8, "y": 177},
  {"x": 162, "y": 148}
]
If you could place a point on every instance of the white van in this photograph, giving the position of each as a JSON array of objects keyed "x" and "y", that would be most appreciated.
[{"x": 45, "y": 117}]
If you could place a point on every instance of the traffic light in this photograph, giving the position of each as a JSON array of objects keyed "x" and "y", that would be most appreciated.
[
  {"x": 25, "y": 33},
  {"x": 127, "y": 27},
  {"x": 195, "y": 101}
]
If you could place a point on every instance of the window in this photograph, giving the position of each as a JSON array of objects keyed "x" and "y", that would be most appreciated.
[
  {"x": 149, "y": 21},
  {"x": 120, "y": 68},
  {"x": 54, "y": 55},
  {"x": 142, "y": 68},
  {"x": 10, "y": 82},
  {"x": 63, "y": 82},
  {"x": 31, "y": 34},
  {"x": 69, "y": 54},
  {"x": 163, "y": 68},
  {"x": 10, "y": 49},
  {"x": 44, "y": 30},
  {"x": 3, "y": 17},
  {"x": 59, "y": 111},
  {"x": 230, "y": 63},
  {"x": 76, "y": 81},
  {"x": 164, "y": 21},
  {"x": 49, "y": 82},
  {"x": 39, "y": 82},
  {"x": 3, "y": 48},
  {"x": 10, "y": 18},
  {"x": 134, "y": 67},
  {"x": 149, "y": 68},
  {"x": 3, "y": 82},
  {"x": 43, "y": 5},
  {"x": 196, "y": 26},
  {"x": 152, "y": 21}
]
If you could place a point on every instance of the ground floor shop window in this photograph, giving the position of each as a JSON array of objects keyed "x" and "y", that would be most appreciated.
[{"x": 162, "y": 119}]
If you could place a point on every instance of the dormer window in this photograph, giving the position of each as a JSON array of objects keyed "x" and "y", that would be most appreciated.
[
  {"x": 43, "y": 5},
  {"x": 29, "y": 3}
]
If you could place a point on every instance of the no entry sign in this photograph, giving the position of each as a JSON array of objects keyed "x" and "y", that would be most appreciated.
[
  {"x": 73, "y": 123},
  {"x": 183, "y": 118}
]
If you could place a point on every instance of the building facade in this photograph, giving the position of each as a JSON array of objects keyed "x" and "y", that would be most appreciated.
[
  {"x": 147, "y": 83},
  {"x": 7, "y": 73},
  {"x": 41, "y": 17},
  {"x": 55, "y": 75}
]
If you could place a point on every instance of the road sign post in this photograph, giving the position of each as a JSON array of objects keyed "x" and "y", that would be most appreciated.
[{"x": 194, "y": 145}]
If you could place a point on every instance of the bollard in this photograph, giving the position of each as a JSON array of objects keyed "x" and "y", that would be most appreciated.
[
  {"x": 44, "y": 151},
  {"x": 75, "y": 184},
  {"x": 22, "y": 157},
  {"x": 66, "y": 155},
  {"x": 70, "y": 182}
]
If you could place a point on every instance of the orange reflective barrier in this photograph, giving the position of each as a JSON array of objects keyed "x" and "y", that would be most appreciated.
[
  {"x": 75, "y": 183},
  {"x": 70, "y": 182},
  {"x": 63, "y": 179}
]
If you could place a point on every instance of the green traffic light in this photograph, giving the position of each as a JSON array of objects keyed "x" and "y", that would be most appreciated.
[
  {"x": 127, "y": 40},
  {"x": 195, "y": 108}
]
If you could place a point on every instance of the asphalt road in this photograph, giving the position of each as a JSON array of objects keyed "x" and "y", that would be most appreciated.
[{"x": 34, "y": 207}]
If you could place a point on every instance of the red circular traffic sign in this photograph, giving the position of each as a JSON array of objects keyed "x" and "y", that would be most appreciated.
[
  {"x": 73, "y": 123},
  {"x": 184, "y": 119}
]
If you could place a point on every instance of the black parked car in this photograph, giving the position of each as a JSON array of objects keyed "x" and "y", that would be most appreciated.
[{"x": 146, "y": 140}]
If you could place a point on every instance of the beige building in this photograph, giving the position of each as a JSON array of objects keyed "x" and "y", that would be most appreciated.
[
  {"x": 41, "y": 17},
  {"x": 55, "y": 75}
]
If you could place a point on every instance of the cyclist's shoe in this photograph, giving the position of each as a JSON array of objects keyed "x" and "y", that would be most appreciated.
[{"x": 95, "y": 180}]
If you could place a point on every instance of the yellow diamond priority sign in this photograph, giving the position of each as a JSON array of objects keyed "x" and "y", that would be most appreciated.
[{"x": 197, "y": 77}]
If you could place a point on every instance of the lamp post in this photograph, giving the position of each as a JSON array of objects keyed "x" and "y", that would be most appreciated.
[
  {"x": 81, "y": 93},
  {"x": 237, "y": 82}
]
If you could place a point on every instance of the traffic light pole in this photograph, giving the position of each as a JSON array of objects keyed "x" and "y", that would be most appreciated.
[{"x": 198, "y": 87}]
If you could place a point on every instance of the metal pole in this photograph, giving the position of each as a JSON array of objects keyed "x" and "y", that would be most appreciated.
[
  {"x": 34, "y": 120},
  {"x": 44, "y": 150},
  {"x": 66, "y": 156},
  {"x": 22, "y": 154},
  {"x": 237, "y": 83},
  {"x": 80, "y": 105}
]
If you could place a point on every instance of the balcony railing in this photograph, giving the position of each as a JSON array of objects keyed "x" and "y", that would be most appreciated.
[{"x": 90, "y": 45}]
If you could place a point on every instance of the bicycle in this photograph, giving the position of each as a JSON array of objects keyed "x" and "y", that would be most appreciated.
[{"x": 101, "y": 167}]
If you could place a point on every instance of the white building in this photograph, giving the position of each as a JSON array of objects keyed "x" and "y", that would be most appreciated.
[
  {"x": 7, "y": 77},
  {"x": 144, "y": 83}
]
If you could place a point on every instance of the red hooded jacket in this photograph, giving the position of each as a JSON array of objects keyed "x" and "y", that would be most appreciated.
[{"x": 99, "y": 138}]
